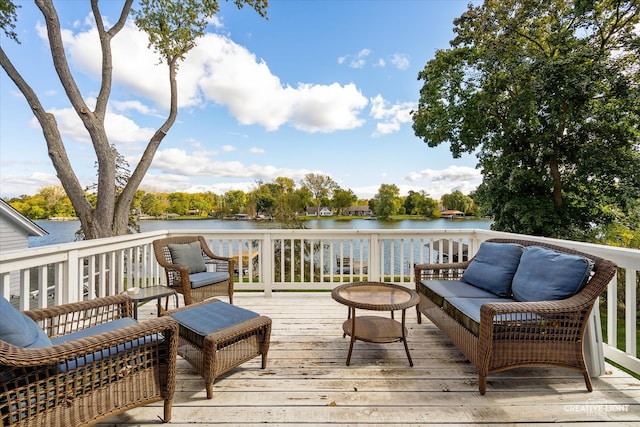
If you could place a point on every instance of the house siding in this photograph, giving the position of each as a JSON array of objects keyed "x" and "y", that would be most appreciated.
[
  {"x": 15, "y": 230},
  {"x": 10, "y": 238}
]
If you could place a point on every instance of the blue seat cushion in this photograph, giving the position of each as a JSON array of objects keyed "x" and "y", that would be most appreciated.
[
  {"x": 199, "y": 321},
  {"x": 493, "y": 267},
  {"x": 20, "y": 330},
  {"x": 547, "y": 275},
  {"x": 438, "y": 290},
  {"x": 98, "y": 355},
  {"x": 466, "y": 311},
  {"x": 189, "y": 254},
  {"x": 205, "y": 278}
]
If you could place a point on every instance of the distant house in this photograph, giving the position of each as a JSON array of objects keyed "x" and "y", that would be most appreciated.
[
  {"x": 15, "y": 230},
  {"x": 358, "y": 211},
  {"x": 451, "y": 213},
  {"x": 324, "y": 211}
]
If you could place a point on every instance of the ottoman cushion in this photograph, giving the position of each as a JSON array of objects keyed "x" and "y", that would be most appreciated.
[{"x": 205, "y": 319}]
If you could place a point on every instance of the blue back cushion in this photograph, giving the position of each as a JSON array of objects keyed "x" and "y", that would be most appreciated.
[
  {"x": 189, "y": 254},
  {"x": 18, "y": 329},
  {"x": 547, "y": 275},
  {"x": 493, "y": 267}
]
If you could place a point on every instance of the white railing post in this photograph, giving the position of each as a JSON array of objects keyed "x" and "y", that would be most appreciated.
[
  {"x": 5, "y": 285},
  {"x": 268, "y": 262},
  {"x": 374, "y": 259},
  {"x": 74, "y": 275},
  {"x": 630, "y": 311}
]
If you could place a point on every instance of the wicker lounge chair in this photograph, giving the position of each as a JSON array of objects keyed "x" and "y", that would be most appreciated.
[
  {"x": 198, "y": 285},
  {"x": 93, "y": 361}
]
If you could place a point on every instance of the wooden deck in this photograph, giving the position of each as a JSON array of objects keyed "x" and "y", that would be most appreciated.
[{"x": 307, "y": 382}]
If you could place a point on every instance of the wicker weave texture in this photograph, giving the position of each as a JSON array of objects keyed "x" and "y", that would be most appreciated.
[
  {"x": 505, "y": 341},
  {"x": 178, "y": 275},
  {"x": 221, "y": 351},
  {"x": 65, "y": 384}
]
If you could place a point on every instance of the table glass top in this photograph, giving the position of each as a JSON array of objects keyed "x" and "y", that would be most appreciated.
[
  {"x": 375, "y": 294},
  {"x": 152, "y": 292}
]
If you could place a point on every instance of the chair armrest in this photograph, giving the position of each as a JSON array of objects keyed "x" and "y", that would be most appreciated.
[
  {"x": 67, "y": 318},
  {"x": 35, "y": 357},
  {"x": 221, "y": 263}
]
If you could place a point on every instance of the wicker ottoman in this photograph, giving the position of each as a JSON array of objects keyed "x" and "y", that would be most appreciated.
[{"x": 215, "y": 337}]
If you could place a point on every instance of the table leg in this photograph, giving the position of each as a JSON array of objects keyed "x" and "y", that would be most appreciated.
[
  {"x": 135, "y": 309},
  {"x": 344, "y": 334},
  {"x": 404, "y": 338},
  {"x": 352, "y": 314}
]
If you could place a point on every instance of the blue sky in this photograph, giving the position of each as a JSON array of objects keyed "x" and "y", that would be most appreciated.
[{"x": 322, "y": 86}]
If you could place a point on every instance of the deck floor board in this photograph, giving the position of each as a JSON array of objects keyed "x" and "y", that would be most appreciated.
[{"x": 307, "y": 383}]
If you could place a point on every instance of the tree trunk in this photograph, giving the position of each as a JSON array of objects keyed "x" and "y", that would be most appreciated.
[{"x": 557, "y": 182}]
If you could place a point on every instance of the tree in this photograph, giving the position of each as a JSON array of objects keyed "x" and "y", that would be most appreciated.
[
  {"x": 173, "y": 27},
  {"x": 343, "y": 199},
  {"x": 457, "y": 201},
  {"x": 388, "y": 201},
  {"x": 419, "y": 203},
  {"x": 321, "y": 187},
  {"x": 547, "y": 93}
]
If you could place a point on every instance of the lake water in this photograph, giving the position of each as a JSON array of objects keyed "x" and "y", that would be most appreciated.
[{"x": 64, "y": 231}]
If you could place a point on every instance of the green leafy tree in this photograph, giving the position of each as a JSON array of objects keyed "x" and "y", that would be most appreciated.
[
  {"x": 419, "y": 203},
  {"x": 457, "y": 201},
  {"x": 179, "y": 203},
  {"x": 173, "y": 27},
  {"x": 321, "y": 188},
  {"x": 388, "y": 201},
  {"x": 152, "y": 205},
  {"x": 235, "y": 201},
  {"x": 342, "y": 199},
  {"x": 546, "y": 92}
]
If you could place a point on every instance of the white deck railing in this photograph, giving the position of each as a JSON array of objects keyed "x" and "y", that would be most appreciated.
[{"x": 278, "y": 260}]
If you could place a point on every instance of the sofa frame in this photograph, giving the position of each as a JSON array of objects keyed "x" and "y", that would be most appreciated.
[{"x": 557, "y": 341}]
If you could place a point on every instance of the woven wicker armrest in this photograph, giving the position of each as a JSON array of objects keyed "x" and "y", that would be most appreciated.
[
  {"x": 10, "y": 355},
  {"x": 446, "y": 271},
  {"x": 82, "y": 314},
  {"x": 221, "y": 263}
]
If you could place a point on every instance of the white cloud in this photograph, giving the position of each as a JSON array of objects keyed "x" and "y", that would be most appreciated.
[
  {"x": 235, "y": 78},
  {"x": 439, "y": 182},
  {"x": 391, "y": 117},
  {"x": 27, "y": 184},
  {"x": 358, "y": 60},
  {"x": 120, "y": 129},
  {"x": 228, "y": 148},
  {"x": 177, "y": 162},
  {"x": 256, "y": 150},
  {"x": 400, "y": 61},
  {"x": 218, "y": 70}
]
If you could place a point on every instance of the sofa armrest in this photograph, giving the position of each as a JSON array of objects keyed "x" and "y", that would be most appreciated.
[
  {"x": 534, "y": 321},
  {"x": 448, "y": 271}
]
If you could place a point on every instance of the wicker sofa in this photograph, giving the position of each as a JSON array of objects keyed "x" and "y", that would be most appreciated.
[
  {"x": 511, "y": 305},
  {"x": 81, "y": 363}
]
